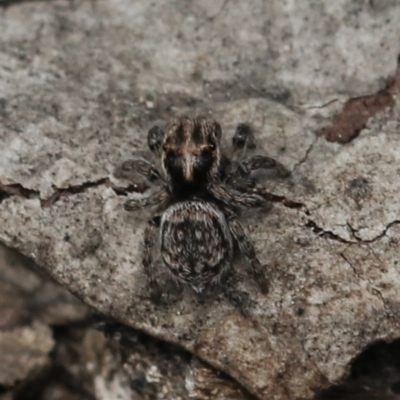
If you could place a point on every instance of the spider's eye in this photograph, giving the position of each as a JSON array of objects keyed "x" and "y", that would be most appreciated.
[{"x": 212, "y": 146}]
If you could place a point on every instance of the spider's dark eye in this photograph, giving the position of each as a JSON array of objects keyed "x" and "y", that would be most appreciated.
[
  {"x": 206, "y": 159},
  {"x": 173, "y": 163},
  {"x": 212, "y": 146}
]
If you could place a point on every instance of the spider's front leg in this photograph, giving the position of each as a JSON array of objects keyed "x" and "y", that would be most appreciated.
[
  {"x": 262, "y": 162},
  {"x": 236, "y": 199},
  {"x": 247, "y": 248},
  {"x": 238, "y": 298},
  {"x": 142, "y": 167},
  {"x": 155, "y": 139},
  {"x": 242, "y": 139},
  {"x": 157, "y": 198}
]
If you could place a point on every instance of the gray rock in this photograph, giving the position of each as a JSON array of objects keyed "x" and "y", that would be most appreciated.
[{"x": 80, "y": 84}]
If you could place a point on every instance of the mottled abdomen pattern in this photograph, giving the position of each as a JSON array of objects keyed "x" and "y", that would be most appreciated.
[{"x": 196, "y": 244}]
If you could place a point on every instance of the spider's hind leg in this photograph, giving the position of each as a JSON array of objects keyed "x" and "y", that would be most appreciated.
[
  {"x": 238, "y": 298},
  {"x": 155, "y": 199},
  {"x": 142, "y": 167},
  {"x": 172, "y": 290},
  {"x": 247, "y": 248},
  {"x": 150, "y": 239}
]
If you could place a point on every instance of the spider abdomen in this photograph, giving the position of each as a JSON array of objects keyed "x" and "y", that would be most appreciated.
[{"x": 196, "y": 244}]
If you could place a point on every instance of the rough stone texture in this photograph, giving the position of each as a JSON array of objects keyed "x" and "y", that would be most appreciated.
[
  {"x": 23, "y": 351},
  {"x": 29, "y": 303},
  {"x": 27, "y": 295},
  {"x": 50, "y": 350},
  {"x": 81, "y": 82}
]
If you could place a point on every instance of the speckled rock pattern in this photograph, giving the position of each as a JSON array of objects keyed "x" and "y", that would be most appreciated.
[{"x": 80, "y": 84}]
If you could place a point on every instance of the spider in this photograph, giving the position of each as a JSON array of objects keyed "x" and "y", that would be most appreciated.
[{"x": 200, "y": 195}]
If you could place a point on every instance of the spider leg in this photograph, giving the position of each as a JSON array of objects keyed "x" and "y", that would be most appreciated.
[
  {"x": 262, "y": 162},
  {"x": 248, "y": 250},
  {"x": 155, "y": 138},
  {"x": 156, "y": 198},
  {"x": 150, "y": 238},
  {"x": 238, "y": 174},
  {"x": 238, "y": 298},
  {"x": 236, "y": 199},
  {"x": 243, "y": 138},
  {"x": 144, "y": 168}
]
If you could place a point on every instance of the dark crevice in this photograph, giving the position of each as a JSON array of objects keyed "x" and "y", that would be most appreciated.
[
  {"x": 346, "y": 259},
  {"x": 305, "y": 157},
  {"x": 326, "y": 234},
  {"x": 76, "y": 189},
  {"x": 374, "y": 375},
  {"x": 71, "y": 190},
  {"x": 330, "y": 235},
  {"x": 3, "y": 195},
  {"x": 17, "y": 189},
  {"x": 3, "y": 389},
  {"x": 380, "y": 236},
  {"x": 36, "y": 389}
]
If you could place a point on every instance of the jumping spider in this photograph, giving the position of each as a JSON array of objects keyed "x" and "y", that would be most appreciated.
[{"x": 201, "y": 192}]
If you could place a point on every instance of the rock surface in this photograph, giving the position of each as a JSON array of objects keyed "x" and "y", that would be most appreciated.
[
  {"x": 80, "y": 84},
  {"x": 49, "y": 348}
]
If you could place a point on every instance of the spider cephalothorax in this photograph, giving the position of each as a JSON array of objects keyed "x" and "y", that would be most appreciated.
[
  {"x": 191, "y": 151},
  {"x": 200, "y": 195}
]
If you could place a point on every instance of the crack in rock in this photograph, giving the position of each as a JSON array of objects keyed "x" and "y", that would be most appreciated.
[
  {"x": 378, "y": 237},
  {"x": 374, "y": 290},
  {"x": 326, "y": 234},
  {"x": 305, "y": 157},
  {"x": 345, "y": 258},
  {"x": 16, "y": 189},
  {"x": 333, "y": 236},
  {"x": 378, "y": 293}
]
